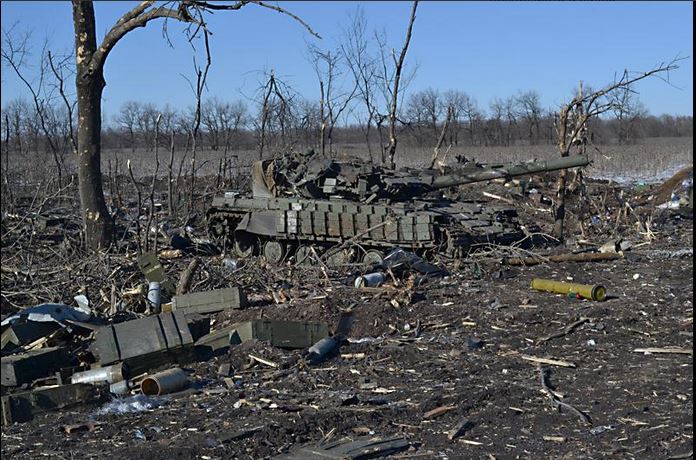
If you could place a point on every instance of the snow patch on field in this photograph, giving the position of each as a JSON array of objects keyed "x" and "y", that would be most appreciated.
[{"x": 632, "y": 178}]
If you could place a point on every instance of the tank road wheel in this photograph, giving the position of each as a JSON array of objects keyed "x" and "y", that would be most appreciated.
[
  {"x": 342, "y": 257},
  {"x": 217, "y": 228},
  {"x": 274, "y": 251},
  {"x": 372, "y": 257},
  {"x": 244, "y": 245},
  {"x": 304, "y": 256}
]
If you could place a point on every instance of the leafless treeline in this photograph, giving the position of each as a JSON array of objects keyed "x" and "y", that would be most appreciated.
[{"x": 234, "y": 125}]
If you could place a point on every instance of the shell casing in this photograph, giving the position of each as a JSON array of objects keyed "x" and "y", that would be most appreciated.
[{"x": 595, "y": 292}]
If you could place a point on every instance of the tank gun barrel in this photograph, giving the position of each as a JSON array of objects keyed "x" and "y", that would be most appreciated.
[{"x": 507, "y": 171}]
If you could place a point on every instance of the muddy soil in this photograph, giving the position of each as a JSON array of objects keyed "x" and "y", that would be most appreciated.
[{"x": 464, "y": 341}]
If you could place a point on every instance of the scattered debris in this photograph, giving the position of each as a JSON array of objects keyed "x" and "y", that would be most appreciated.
[
  {"x": 280, "y": 375},
  {"x": 86, "y": 426},
  {"x": 347, "y": 450}
]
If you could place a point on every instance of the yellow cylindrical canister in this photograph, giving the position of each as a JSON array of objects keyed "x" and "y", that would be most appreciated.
[{"x": 588, "y": 291}]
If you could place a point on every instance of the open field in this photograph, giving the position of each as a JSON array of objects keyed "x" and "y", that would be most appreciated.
[{"x": 651, "y": 159}]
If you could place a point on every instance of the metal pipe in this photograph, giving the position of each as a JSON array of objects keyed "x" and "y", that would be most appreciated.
[
  {"x": 322, "y": 349},
  {"x": 153, "y": 295},
  {"x": 121, "y": 388},
  {"x": 168, "y": 381},
  {"x": 589, "y": 257},
  {"x": 111, "y": 374},
  {"x": 588, "y": 291},
  {"x": 370, "y": 280}
]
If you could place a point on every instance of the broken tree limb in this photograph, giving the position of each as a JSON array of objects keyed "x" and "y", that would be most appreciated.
[
  {"x": 438, "y": 411},
  {"x": 666, "y": 350},
  {"x": 588, "y": 257},
  {"x": 187, "y": 277},
  {"x": 565, "y": 331},
  {"x": 459, "y": 429},
  {"x": 550, "y": 362},
  {"x": 263, "y": 361},
  {"x": 557, "y": 402},
  {"x": 498, "y": 197}
]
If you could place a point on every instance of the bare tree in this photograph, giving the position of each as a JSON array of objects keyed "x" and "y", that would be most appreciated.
[
  {"x": 390, "y": 86},
  {"x": 14, "y": 52},
  {"x": 60, "y": 65},
  {"x": 529, "y": 106},
  {"x": 127, "y": 119},
  {"x": 146, "y": 124},
  {"x": 627, "y": 111},
  {"x": 573, "y": 118},
  {"x": 364, "y": 69},
  {"x": 423, "y": 112},
  {"x": 497, "y": 107},
  {"x": 443, "y": 133},
  {"x": 511, "y": 110},
  {"x": 90, "y": 83},
  {"x": 328, "y": 66},
  {"x": 275, "y": 115}
]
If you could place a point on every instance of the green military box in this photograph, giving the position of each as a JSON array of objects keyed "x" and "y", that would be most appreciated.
[
  {"x": 151, "y": 267},
  {"x": 163, "y": 332},
  {"x": 23, "y": 332},
  {"x": 210, "y": 301},
  {"x": 27, "y": 367},
  {"x": 283, "y": 334},
  {"x": 21, "y": 407}
]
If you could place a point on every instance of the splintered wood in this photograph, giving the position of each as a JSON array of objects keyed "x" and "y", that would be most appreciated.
[
  {"x": 666, "y": 350},
  {"x": 550, "y": 362}
]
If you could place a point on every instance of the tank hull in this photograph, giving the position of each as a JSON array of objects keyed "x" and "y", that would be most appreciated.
[{"x": 450, "y": 227}]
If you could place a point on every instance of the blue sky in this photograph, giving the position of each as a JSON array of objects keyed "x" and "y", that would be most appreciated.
[{"x": 486, "y": 49}]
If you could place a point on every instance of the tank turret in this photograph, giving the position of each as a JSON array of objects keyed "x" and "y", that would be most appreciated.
[{"x": 356, "y": 180}]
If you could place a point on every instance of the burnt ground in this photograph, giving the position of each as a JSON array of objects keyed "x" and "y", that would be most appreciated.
[{"x": 460, "y": 342}]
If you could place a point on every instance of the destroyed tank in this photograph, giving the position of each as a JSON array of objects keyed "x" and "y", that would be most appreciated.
[{"x": 310, "y": 207}]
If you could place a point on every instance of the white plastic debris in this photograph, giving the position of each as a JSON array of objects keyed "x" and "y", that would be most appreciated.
[
  {"x": 82, "y": 304},
  {"x": 636, "y": 276},
  {"x": 47, "y": 312}
]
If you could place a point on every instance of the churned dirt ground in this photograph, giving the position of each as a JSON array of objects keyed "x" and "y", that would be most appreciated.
[{"x": 465, "y": 343}]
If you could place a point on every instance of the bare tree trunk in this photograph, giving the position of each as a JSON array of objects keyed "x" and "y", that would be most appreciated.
[
  {"x": 391, "y": 147},
  {"x": 170, "y": 179},
  {"x": 559, "y": 213},
  {"x": 151, "y": 197},
  {"x": 98, "y": 224},
  {"x": 322, "y": 117},
  {"x": 441, "y": 140}
]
